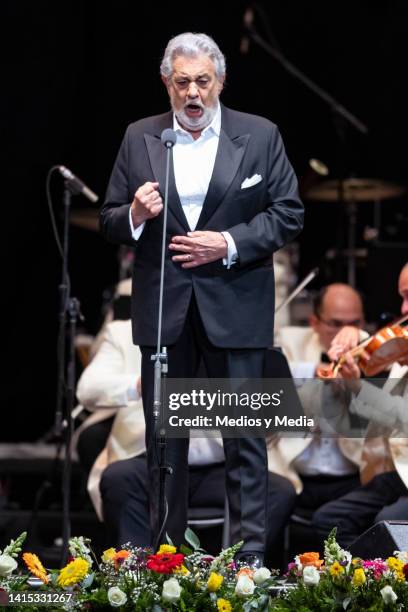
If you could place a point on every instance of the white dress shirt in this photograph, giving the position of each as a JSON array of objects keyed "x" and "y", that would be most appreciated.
[
  {"x": 205, "y": 450},
  {"x": 323, "y": 457},
  {"x": 193, "y": 167}
]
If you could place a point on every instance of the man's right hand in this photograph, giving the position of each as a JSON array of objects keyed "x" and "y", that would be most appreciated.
[{"x": 146, "y": 204}]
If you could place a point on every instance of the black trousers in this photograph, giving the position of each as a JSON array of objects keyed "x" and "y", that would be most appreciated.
[
  {"x": 358, "y": 510},
  {"x": 125, "y": 489},
  {"x": 245, "y": 458},
  {"x": 319, "y": 490},
  {"x": 397, "y": 511}
]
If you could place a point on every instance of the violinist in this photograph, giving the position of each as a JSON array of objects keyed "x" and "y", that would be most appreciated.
[
  {"x": 334, "y": 307},
  {"x": 319, "y": 467},
  {"x": 383, "y": 494}
]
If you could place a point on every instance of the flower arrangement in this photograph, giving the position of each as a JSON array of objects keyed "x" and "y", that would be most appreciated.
[
  {"x": 140, "y": 579},
  {"x": 190, "y": 580},
  {"x": 339, "y": 582}
]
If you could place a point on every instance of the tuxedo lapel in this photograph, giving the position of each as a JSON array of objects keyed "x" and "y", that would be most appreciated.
[
  {"x": 231, "y": 150},
  {"x": 157, "y": 155},
  {"x": 228, "y": 159}
]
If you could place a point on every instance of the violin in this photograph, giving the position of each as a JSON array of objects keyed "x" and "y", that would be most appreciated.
[{"x": 387, "y": 346}]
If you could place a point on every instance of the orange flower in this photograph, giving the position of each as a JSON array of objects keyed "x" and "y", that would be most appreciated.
[
  {"x": 35, "y": 566},
  {"x": 246, "y": 571},
  {"x": 119, "y": 557},
  {"x": 311, "y": 558}
]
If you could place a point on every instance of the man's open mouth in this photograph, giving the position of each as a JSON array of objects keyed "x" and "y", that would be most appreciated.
[{"x": 193, "y": 110}]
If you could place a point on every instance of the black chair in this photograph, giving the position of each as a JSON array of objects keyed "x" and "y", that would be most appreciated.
[{"x": 206, "y": 517}]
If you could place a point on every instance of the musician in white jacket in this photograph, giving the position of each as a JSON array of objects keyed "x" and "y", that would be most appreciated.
[{"x": 384, "y": 470}]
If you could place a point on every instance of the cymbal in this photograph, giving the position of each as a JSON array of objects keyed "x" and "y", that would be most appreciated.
[
  {"x": 355, "y": 190},
  {"x": 87, "y": 218}
]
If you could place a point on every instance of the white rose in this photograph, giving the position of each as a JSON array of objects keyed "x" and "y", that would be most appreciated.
[
  {"x": 116, "y": 597},
  {"x": 244, "y": 586},
  {"x": 7, "y": 565},
  {"x": 171, "y": 590},
  {"x": 311, "y": 576},
  {"x": 261, "y": 575},
  {"x": 388, "y": 595}
]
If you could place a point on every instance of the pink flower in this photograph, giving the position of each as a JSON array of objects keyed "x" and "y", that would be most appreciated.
[
  {"x": 376, "y": 566},
  {"x": 293, "y": 570}
]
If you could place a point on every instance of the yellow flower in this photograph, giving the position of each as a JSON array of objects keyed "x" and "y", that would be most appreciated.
[
  {"x": 181, "y": 570},
  {"x": 223, "y": 605},
  {"x": 395, "y": 564},
  {"x": 73, "y": 573},
  {"x": 356, "y": 561},
  {"x": 336, "y": 569},
  {"x": 214, "y": 582},
  {"x": 35, "y": 566},
  {"x": 400, "y": 575},
  {"x": 359, "y": 577},
  {"x": 166, "y": 548},
  {"x": 108, "y": 555}
]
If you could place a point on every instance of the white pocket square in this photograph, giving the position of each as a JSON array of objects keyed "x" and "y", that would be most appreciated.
[{"x": 250, "y": 182}]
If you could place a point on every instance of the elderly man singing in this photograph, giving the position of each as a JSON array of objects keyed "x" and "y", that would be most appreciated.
[{"x": 233, "y": 201}]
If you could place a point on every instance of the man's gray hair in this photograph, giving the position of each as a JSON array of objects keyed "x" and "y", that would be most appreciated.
[{"x": 191, "y": 45}]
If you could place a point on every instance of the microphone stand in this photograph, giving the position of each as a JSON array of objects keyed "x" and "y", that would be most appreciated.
[
  {"x": 341, "y": 116},
  {"x": 69, "y": 307},
  {"x": 160, "y": 372},
  {"x": 335, "y": 106}
]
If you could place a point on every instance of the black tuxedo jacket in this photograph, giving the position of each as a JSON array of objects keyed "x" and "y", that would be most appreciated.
[{"x": 236, "y": 305}]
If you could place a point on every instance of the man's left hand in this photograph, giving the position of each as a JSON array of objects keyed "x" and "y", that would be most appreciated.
[
  {"x": 199, "y": 248},
  {"x": 350, "y": 373}
]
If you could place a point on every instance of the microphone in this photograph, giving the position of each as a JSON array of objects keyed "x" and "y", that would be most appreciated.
[
  {"x": 247, "y": 23},
  {"x": 77, "y": 184},
  {"x": 168, "y": 138}
]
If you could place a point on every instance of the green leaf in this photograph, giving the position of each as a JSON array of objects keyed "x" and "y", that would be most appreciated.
[
  {"x": 185, "y": 550},
  {"x": 346, "y": 603},
  {"x": 263, "y": 601},
  {"x": 191, "y": 538},
  {"x": 182, "y": 605},
  {"x": 169, "y": 540},
  {"x": 88, "y": 580}
]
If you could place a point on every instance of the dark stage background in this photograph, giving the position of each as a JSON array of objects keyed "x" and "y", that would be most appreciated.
[{"x": 79, "y": 72}]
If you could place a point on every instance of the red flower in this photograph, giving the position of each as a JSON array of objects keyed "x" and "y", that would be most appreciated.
[
  {"x": 164, "y": 563},
  {"x": 405, "y": 570},
  {"x": 4, "y": 598}
]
